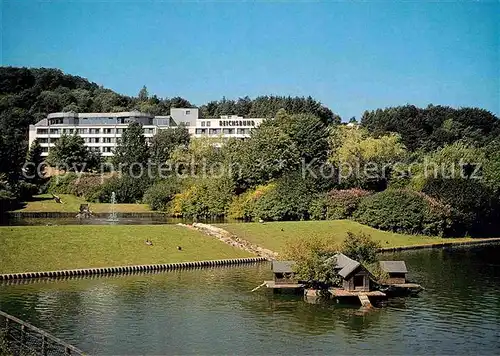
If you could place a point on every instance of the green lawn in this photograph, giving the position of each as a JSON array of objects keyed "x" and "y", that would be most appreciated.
[
  {"x": 71, "y": 204},
  {"x": 44, "y": 248},
  {"x": 275, "y": 235}
]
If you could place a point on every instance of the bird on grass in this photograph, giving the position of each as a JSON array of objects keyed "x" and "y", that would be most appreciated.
[
  {"x": 149, "y": 243},
  {"x": 179, "y": 248}
]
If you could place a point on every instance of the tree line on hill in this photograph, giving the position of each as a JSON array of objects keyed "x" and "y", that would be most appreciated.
[
  {"x": 433, "y": 170},
  {"x": 27, "y": 95}
]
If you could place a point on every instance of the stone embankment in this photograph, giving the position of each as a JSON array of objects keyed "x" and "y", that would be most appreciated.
[{"x": 233, "y": 240}]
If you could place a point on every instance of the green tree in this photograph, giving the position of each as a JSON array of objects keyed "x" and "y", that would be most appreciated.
[
  {"x": 132, "y": 151},
  {"x": 364, "y": 161},
  {"x": 314, "y": 261},
  {"x": 158, "y": 195},
  {"x": 70, "y": 154},
  {"x": 35, "y": 165},
  {"x": 143, "y": 94},
  {"x": 166, "y": 141},
  {"x": 267, "y": 155},
  {"x": 360, "y": 247},
  {"x": 289, "y": 199},
  {"x": 405, "y": 211},
  {"x": 433, "y": 127}
]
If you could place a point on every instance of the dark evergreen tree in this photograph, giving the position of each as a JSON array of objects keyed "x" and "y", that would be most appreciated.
[
  {"x": 132, "y": 152},
  {"x": 35, "y": 165},
  {"x": 143, "y": 94}
]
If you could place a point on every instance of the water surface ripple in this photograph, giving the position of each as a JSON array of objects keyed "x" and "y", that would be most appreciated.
[{"x": 212, "y": 311}]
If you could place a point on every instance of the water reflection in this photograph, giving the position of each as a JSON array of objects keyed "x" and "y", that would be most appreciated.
[
  {"x": 213, "y": 312},
  {"x": 116, "y": 219}
]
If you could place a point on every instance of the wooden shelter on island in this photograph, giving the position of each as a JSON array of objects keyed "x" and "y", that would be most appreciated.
[
  {"x": 354, "y": 276},
  {"x": 396, "y": 282},
  {"x": 284, "y": 276},
  {"x": 396, "y": 271},
  {"x": 356, "y": 280}
]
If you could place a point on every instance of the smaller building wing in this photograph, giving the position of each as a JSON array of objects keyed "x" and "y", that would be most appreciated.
[
  {"x": 393, "y": 266},
  {"x": 283, "y": 266}
]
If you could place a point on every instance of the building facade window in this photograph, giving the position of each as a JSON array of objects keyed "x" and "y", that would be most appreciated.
[
  {"x": 108, "y": 131},
  {"x": 42, "y": 131}
]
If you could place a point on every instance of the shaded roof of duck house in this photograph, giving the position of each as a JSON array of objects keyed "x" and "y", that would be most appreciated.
[
  {"x": 283, "y": 266},
  {"x": 345, "y": 265},
  {"x": 393, "y": 266}
]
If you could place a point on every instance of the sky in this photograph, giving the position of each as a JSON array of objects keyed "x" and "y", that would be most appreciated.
[{"x": 351, "y": 56}]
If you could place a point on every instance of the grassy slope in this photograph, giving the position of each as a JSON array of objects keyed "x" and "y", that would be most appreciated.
[
  {"x": 275, "y": 235},
  {"x": 43, "y": 248},
  {"x": 71, "y": 203}
]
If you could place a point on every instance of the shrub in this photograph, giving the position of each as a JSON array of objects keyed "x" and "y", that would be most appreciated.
[
  {"x": 474, "y": 207},
  {"x": 62, "y": 184},
  {"x": 337, "y": 204},
  {"x": 126, "y": 188},
  {"x": 7, "y": 200},
  {"x": 290, "y": 199},
  {"x": 317, "y": 209},
  {"x": 160, "y": 194},
  {"x": 88, "y": 186},
  {"x": 25, "y": 190},
  {"x": 404, "y": 211},
  {"x": 243, "y": 206},
  {"x": 176, "y": 206},
  {"x": 206, "y": 198}
]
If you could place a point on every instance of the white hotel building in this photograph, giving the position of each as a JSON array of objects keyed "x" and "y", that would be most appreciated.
[{"x": 101, "y": 131}]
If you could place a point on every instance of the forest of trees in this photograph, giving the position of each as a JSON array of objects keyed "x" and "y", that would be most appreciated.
[
  {"x": 434, "y": 126},
  {"x": 433, "y": 170}
]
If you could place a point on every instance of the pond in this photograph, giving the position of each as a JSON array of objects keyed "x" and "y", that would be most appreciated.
[
  {"x": 146, "y": 219},
  {"x": 212, "y": 311}
]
